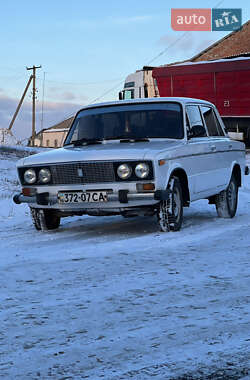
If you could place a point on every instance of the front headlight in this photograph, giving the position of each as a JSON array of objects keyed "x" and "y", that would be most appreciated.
[
  {"x": 142, "y": 170},
  {"x": 124, "y": 171},
  {"x": 44, "y": 175},
  {"x": 29, "y": 176}
]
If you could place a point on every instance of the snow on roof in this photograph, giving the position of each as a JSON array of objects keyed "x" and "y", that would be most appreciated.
[
  {"x": 212, "y": 61},
  {"x": 56, "y": 130}
]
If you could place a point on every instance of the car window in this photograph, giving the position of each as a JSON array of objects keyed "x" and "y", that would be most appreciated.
[
  {"x": 187, "y": 123},
  {"x": 212, "y": 123},
  {"x": 195, "y": 119},
  {"x": 150, "y": 120}
]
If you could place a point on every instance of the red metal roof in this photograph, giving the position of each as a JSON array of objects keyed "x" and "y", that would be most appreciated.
[{"x": 234, "y": 44}]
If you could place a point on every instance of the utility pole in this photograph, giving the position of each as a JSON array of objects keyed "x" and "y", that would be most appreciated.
[
  {"x": 20, "y": 103},
  {"x": 33, "y": 102},
  {"x": 43, "y": 99}
]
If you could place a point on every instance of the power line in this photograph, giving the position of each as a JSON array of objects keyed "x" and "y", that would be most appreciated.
[
  {"x": 168, "y": 47},
  {"x": 107, "y": 92},
  {"x": 83, "y": 83},
  {"x": 149, "y": 62},
  {"x": 153, "y": 59}
]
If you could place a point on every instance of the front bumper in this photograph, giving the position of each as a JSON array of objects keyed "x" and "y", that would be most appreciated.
[{"x": 123, "y": 197}]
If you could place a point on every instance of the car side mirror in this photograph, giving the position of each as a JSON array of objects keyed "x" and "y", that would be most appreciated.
[
  {"x": 120, "y": 95},
  {"x": 197, "y": 131}
]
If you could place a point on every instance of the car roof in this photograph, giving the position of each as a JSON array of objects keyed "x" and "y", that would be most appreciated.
[{"x": 182, "y": 100}]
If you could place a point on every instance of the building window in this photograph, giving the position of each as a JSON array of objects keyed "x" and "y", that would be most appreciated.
[
  {"x": 47, "y": 142},
  {"x": 56, "y": 143}
]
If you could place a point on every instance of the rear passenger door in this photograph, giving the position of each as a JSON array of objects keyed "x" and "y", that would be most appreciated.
[
  {"x": 219, "y": 144},
  {"x": 200, "y": 155}
]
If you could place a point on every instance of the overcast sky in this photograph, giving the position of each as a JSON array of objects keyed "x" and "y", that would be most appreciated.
[{"x": 87, "y": 48}]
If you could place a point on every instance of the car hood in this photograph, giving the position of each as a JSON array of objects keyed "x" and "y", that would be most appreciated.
[{"x": 103, "y": 152}]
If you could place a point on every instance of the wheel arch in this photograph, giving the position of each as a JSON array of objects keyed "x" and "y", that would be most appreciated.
[
  {"x": 236, "y": 172},
  {"x": 182, "y": 176}
]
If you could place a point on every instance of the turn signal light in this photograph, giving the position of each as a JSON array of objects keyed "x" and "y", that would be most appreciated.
[
  {"x": 161, "y": 162},
  {"x": 148, "y": 186},
  {"x": 28, "y": 192},
  {"x": 140, "y": 187}
]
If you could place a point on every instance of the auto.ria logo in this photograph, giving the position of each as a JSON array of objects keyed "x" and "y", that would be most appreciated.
[
  {"x": 206, "y": 19},
  {"x": 226, "y": 19}
]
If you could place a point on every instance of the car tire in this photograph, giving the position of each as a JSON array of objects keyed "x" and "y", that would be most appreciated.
[
  {"x": 227, "y": 200},
  {"x": 35, "y": 218},
  {"x": 170, "y": 212},
  {"x": 45, "y": 219}
]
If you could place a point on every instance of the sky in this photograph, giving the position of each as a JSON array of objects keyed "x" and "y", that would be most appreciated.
[{"x": 86, "y": 49}]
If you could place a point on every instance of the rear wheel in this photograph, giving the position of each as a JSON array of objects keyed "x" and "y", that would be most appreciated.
[
  {"x": 170, "y": 212},
  {"x": 44, "y": 219},
  {"x": 226, "y": 202}
]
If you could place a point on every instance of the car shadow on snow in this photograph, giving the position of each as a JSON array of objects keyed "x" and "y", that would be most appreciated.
[
  {"x": 111, "y": 226},
  {"x": 115, "y": 226}
]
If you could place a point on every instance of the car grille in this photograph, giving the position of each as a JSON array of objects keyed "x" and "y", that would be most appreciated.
[{"x": 83, "y": 172}]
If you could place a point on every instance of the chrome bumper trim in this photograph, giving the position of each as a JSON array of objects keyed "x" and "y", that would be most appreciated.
[{"x": 123, "y": 196}]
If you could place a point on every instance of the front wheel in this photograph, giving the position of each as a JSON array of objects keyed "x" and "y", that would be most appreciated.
[
  {"x": 35, "y": 218},
  {"x": 226, "y": 202},
  {"x": 170, "y": 212},
  {"x": 44, "y": 219}
]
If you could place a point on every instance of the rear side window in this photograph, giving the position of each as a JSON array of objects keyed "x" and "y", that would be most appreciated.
[
  {"x": 194, "y": 117},
  {"x": 212, "y": 123}
]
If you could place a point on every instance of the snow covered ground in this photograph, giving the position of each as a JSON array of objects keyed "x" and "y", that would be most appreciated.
[{"x": 112, "y": 298}]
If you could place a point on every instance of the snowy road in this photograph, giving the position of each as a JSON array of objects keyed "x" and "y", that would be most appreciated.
[{"x": 113, "y": 298}]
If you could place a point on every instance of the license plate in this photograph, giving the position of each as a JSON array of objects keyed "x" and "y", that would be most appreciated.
[{"x": 82, "y": 197}]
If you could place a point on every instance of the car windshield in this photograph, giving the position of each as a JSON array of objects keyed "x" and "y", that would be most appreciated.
[{"x": 134, "y": 121}]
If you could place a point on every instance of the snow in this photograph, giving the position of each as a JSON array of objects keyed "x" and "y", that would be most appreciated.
[
  {"x": 6, "y": 137},
  {"x": 212, "y": 61},
  {"x": 56, "y": 130},
  {"x": 113, "y": 298}
]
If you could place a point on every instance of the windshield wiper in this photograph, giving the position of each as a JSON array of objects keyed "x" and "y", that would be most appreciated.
[
  {"x": 126, "y": 138},
  {"x": 134, "y": 139},
  {"x": 85, "y": 141}
]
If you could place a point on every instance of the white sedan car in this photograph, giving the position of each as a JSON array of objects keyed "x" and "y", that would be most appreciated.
[{"x": 150, "y": 157}]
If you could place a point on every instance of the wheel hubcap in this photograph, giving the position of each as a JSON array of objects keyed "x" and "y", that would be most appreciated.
[{"x": 176, "y": 205}]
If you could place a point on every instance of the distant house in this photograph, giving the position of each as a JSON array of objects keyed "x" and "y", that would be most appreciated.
[{"x": 54, "y": 136}]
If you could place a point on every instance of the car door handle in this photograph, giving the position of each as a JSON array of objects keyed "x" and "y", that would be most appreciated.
[
  {"x": 230, "y": 146},
  {"x": 213, "y": 148}
]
